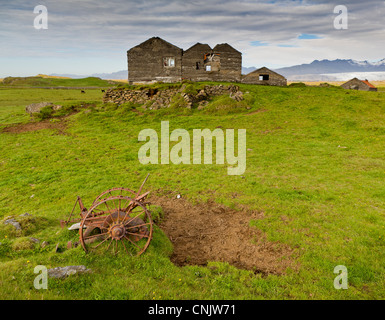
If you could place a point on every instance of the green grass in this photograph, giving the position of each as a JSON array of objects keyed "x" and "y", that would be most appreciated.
[
  {"x": 316, "y": 159},
  {"x": 55, "y": 82}
]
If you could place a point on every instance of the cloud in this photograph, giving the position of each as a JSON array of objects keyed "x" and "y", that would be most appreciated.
[{"x": 272, "y": 33}]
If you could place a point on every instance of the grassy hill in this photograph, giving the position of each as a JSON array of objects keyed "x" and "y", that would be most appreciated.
[
  {"x": 44, "y": 81},
  {"x": 315, "y": 174}
]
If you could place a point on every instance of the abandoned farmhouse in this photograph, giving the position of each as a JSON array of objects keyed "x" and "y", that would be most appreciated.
[
  {"x": 356, "y": 84},
  {"x": 264, "y": 76},
  {"x": 158, "y": 60}
]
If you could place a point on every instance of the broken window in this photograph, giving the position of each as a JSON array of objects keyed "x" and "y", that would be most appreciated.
[
  {"x": 198, "y": 65},
  {"x": 263, "y": 77},
  {"x": 211, "y": 57},
  {"x": 169, "y": 62}
]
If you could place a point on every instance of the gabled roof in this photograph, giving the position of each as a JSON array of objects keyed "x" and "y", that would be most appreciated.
[
  {"x": 203, "y": 45},
  {"x": 264, "y": 69},
  {"x": 222, "y": 46},
  {"x": 368, "y": 83},
  {"x": 155, "y": 39}
]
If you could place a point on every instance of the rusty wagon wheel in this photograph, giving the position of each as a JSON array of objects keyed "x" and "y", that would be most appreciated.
[{"x": 117, "y": 223}]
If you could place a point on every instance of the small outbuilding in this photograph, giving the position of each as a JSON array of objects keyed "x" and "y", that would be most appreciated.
[
  {"x": 356, "y": 84},
  {"x": 265, "y": 76}
]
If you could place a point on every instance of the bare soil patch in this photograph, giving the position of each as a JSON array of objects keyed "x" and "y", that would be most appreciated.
[
  {"x": 60, "y": 126},
  {"x": 213, "y": 232},
  {"x": 257, "y": 111}
]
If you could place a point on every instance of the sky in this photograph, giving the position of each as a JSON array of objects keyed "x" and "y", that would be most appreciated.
[{"x": 92, "y": 36}]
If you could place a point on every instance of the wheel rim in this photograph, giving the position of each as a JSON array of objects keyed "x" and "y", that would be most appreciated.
[
  {"x": 115, "y": 224},
  {"x": 114, "y": 192}
]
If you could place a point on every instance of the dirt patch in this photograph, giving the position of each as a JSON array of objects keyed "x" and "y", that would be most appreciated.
[
  {"x": 258, "y": 111},
  {"x": 213, "y": 232},
  {"x": 60, "y": 126}
]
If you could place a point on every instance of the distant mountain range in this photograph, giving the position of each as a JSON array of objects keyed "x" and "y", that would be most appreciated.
[
  {"x": 119, "y": 75},
  {"x": 322, "y": 70},
  {"x": 332, "y": 70},
  {"x": 322, "y": 67}
]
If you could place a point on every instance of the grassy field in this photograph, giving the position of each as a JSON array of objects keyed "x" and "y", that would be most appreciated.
[
  {"x": 45, "y": 81},
  {"x": 315, "y": 169}
]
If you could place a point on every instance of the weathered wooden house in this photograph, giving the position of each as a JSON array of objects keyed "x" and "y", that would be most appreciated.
[
  {"x": 356, "y": 84},
  {"x": 158, "y": 60},
  {"x": 264, "y": 76}
]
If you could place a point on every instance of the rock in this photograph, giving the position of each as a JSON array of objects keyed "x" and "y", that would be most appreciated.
[
  {"x": 25, "y": 215},
  {"x": 202, "y": 104},
  {"x": 36, "y": 107},
  {"x": 75, "y": 226},
  {"x": 63, "y": 272},
  {"x": 164, "y": 96},
  {"x": 71, "y": 244},
  {"x": 44, "y": 244},
  {"x": 14, "y": 223},
  {"x": 201, "y": 95},
  {"x": 34, "y": 240},
  {"x": 237, "y": 96}
]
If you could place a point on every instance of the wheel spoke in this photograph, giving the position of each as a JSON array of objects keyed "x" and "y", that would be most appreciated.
[
  {"x": 110, "y": 215},
  {"x": 139, "y": 225},
  {"x": 109, "y": 243},
  {"x": 95, "y": 236},
  {"x": 127, "y": 222},
  {"x": 113, "y": 200},
  {"x": 108, "y": 212},
  {"x": 101, "y": 242},
  {"x": 133, "y": 243},
  {"x": 138, "y": 235},
  {"x": 125, "y": 248}
]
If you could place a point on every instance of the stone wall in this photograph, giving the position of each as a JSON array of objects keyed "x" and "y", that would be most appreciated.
[{"x": 161, "y": 98}]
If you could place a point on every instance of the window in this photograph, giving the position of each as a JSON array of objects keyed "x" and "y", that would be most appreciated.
[
  {"x": 198, "y": 65},
  {"x": 169, "y": 62},
  {"x": 208, "y": 68},
  {"x": 263, "y": 77}
]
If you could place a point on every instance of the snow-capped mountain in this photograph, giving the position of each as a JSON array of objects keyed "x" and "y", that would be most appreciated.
[{"x": 333, "y": 66}]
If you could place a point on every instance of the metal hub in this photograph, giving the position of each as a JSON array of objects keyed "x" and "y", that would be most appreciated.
[{"x": 118, "y": 231}]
